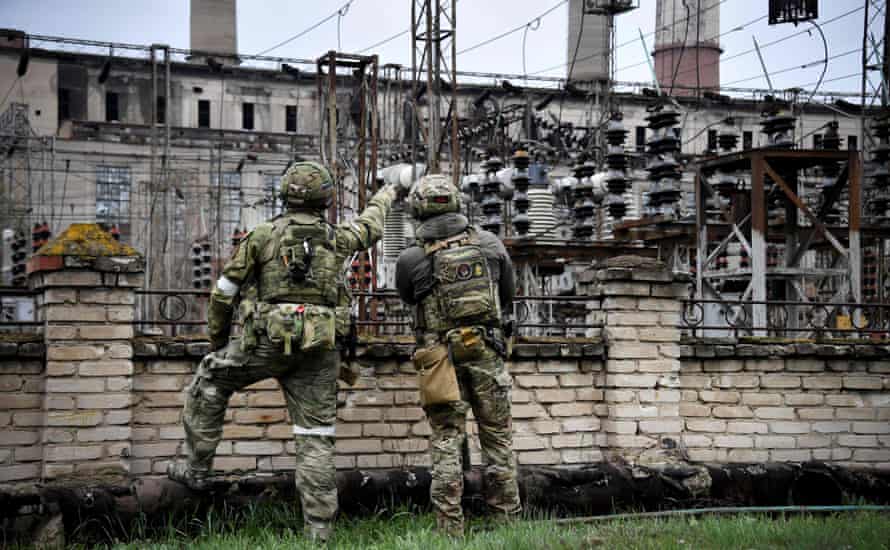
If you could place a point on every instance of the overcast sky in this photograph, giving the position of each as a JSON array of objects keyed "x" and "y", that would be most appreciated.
[{"x": 263, "y": 23}]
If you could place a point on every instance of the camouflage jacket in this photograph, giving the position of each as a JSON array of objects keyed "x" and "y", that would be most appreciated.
[{"x": 242, "y": 269}]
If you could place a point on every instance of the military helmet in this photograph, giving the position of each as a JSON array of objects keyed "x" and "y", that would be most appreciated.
[
  {"x": 307, "y": 185},
  {"x": 434, "y": 195}
]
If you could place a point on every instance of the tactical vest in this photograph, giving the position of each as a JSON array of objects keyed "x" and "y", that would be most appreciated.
[
  {"x": 298, "y": 264},
  {"x": 463, "y": 291}
]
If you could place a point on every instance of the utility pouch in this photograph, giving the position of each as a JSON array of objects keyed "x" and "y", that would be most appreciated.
[
  {"x": 349, "y": 373},
  {"x": 466, "y": 344},
  {"x": 319, "y": 328},
  {"x": 284, "y": 325},
  {"x": 438, "y": 379}
]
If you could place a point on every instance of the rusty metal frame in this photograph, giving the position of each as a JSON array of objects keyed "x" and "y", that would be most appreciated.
[
  {"x": 772, "y": 165},
  {"x": 366, "y": 70}
]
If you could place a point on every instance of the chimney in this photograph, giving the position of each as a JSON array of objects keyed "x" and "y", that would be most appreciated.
[
  {"x": 592, "y": 60},
  {"x": 687, "y": 52},
  {"x": 213, "y": 30}
]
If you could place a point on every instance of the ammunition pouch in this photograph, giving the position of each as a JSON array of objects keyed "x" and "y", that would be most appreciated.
[
  {"x": 297, "y": 326},
  {"x": 438, "y": 378}
]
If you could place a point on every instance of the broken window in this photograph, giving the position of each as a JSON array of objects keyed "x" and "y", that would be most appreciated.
[
  {"x": 203, "y": 113},
  {"x": 290, "y": 118},
  {"x": 112, "y": 112},
  {"x": 247, "y": 116},
  {"x": 113, "y": 185}
]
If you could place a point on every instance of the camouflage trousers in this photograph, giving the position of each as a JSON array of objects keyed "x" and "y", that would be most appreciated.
[
  {"x": 309, "y": 383},
  {"x": 485, "y": 387}
]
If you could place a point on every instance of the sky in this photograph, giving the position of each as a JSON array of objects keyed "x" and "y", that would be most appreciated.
[{"x": 264, "y": 23}]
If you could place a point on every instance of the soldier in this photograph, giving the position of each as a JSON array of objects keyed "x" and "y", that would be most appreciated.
[
  {"x": 459, "y": 278},
  {"x": 287, "y": 274}
]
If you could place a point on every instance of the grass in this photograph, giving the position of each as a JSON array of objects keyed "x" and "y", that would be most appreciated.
[{"x": 273, "y": 527}]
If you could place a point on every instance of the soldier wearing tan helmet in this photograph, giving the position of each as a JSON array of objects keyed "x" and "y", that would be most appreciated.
[
  {"x": 460, "y": 279},
  {"x": 285, "y": 277}
]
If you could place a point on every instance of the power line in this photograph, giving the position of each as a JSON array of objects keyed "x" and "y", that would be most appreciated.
[
  {"x": 513, "y": 30},
  {"x": 773, "y": 42},
  {"x": 340, "y": 12},
  {"x": 631, "y": 41},
  {"x": 734, "y": 29},
  {"x": 797, "y": 67},
  {"x": 385, "y": 41}
]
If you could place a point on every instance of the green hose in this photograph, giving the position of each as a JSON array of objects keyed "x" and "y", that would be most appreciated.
[{"x": 728, "y": 511}]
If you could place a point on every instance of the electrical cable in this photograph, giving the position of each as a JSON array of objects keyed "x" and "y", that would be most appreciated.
[
  {"x": 762, "y": 46},
  {"x": 797, "y": 67},
  {"x": 825, "y": 66},
  {"x": 513, "y": 30},
  {"x": 571, "y": 68},
  {"x": 627, "y": 43},
  {"x": 524, "y": 36},
  {"x": 9, "y": 91},
  {"x": 682, "y": 47},
  {"x": 308, "y": 30},
  {"x": 385, "y": 41}
]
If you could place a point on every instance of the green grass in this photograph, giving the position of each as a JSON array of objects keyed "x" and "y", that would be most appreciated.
[{"x": 273, "y": 527}]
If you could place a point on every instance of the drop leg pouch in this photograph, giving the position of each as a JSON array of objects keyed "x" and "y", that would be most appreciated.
[{"x": 438, "y": 379}]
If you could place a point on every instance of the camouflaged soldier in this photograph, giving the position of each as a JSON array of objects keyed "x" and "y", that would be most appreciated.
[
  {"x": 287, "y": 275},
  {"x": 459, "y": 278}
]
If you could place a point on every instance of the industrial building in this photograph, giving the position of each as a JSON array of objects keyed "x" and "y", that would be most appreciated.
[{"x": 179, "y": 151}]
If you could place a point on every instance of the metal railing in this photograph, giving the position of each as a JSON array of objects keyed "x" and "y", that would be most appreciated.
[
  {"x": 558, "y": 316},
  {"x": 786, "y": 319},
  {"x": 171, "y": 312},
  {"x": 18, "y": 310}
]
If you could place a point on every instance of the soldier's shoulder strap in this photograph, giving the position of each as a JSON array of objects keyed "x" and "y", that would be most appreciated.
[{"x": 463, "y": 237}]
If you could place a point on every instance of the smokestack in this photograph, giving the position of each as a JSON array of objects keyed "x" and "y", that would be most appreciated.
[
  {"x": 592, "y": 60},
  {"x": 214, "y": 29},
  {"x": 687, "y": 51}
]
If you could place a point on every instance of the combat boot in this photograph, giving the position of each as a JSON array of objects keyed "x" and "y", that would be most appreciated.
[
  {"x": 180, "y": 471},
  {"x": 318, "y": 531},
  {"x": 449, "y": 527}
]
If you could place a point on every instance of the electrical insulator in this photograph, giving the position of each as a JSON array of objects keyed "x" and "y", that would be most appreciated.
[
  {"x": 664, "y": 168},
  {"x": 492, "y": 205},
  {"x": 869, "y": 274},
  {"x": 353, "y": 274},
  {"x": 583, "y": 205},
  {"x": 521, "y": 202},
  {"x": 617, "y": 181},
  {"x": 196, "y": 265},
  {"x": 879, "y": 201},
  {"x": 831, "y": 141},
  {"x": 778, "y": 127},
  {"x": 206, "y": 265},
  {"x": 727, "y": 140},
  {"x": 19, "y": 256}
]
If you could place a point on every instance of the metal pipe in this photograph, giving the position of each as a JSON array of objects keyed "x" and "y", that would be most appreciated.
[{"x": 693, "y": 512}]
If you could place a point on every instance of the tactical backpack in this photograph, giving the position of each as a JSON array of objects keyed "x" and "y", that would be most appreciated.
[
  {"x": 298, "y": 284},
  {"x": 299, "y": 263},
  {"x": 463, "y": 292}
]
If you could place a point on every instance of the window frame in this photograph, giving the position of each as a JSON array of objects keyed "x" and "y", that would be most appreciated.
[{"x": 248, "y": 114}]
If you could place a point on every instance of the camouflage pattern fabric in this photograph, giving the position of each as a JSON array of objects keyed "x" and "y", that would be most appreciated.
[
  {"x": 310, "y": 391},
  {"x": 485, "y": 387},
  {"x": 308, "y": 379},
  {"x": 307, "y": 184}
]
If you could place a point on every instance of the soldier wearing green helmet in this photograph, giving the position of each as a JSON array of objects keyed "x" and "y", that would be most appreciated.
[
  {"x": 285, "y": 279},
  {"x": 460, "y": 279}
]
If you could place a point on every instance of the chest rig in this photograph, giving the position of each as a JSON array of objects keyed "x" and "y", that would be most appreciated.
[{"x": 463, "y": 292}]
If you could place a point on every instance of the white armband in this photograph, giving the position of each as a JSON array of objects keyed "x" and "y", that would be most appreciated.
[{"x": 227, "y": 286}]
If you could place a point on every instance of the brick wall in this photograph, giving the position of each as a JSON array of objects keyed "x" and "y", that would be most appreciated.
[
  {"x": 556, "y": 405},
  {"x": 90, "y": 394},
  {"x": 786, "y": 403},
  {"x": 21, "y": 407}
]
